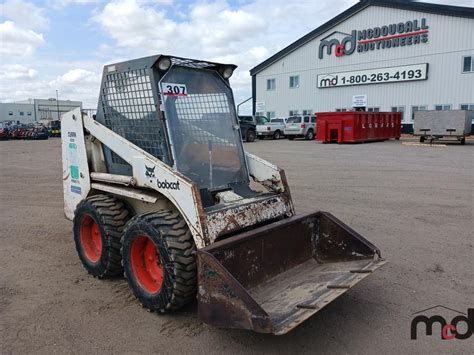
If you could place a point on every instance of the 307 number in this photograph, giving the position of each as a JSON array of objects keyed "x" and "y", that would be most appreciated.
[{"x": 170, "y": 89}]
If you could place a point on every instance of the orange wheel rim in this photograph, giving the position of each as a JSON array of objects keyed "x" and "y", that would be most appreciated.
[
  {"x": 90, "y": 237},
  {"x": 146, "y": 264}
]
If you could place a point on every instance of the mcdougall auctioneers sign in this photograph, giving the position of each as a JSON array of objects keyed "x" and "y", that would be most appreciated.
[{"x": 388, "y": 36}]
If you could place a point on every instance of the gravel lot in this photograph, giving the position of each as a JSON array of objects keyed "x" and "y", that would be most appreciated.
[{"x": 414, "y": 202}]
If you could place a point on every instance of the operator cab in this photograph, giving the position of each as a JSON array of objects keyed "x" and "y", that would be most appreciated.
[{"x": 181, "y": 111}]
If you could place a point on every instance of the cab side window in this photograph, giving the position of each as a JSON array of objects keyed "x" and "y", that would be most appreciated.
[{"x": 306, "y": 119}]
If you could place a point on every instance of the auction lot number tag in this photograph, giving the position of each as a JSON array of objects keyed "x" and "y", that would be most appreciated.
[{"x": 174, "y": 89}]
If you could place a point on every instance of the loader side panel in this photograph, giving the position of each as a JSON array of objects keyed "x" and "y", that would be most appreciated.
[{"x": 76, "y": 179}]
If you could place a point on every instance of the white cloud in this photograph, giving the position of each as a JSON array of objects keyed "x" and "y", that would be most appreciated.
[
  {"x": 17, "y": 72},
  {"x": 75, "y": 76},
  {"x": 78, "y": 84},
  {"x": 24, "y": 14},
  {"x": 17, "y": 41},
  {"x": 19, "y": 32},
  {"x": 214, "y": 30},
  {"x": 18, "y": 82},
  {"x": 60, "y": 4},
  {"x": 143, "y": 26}
]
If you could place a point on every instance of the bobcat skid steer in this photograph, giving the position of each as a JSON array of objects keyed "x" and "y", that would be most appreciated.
[{"x": 160, "y": 189}]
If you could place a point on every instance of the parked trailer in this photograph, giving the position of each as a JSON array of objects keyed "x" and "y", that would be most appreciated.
[
  {"x": 443, "y": 125},
  {"x": 357, "y": 126}
]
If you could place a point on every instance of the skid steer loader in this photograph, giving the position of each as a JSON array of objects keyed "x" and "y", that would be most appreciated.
[{"x": 159, "y": 188}]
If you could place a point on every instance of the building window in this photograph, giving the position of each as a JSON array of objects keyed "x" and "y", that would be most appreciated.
[
  {"x": 469, "y": 107},
  {"x": 442, "y": 107},
  {"x": 342, "y": 109},
  {"x": 307, "y": 112},
  {"x": 467, "y": 65},
  {"x": 373, "y": 109},
  {"x": 399, "y": 109},
  {"x": 417, "y": 108},
  {"x": 294, "y": 82},
  {"x": 10, "y": 113},
  {"x": 271, "y": 84},
  {"x": 270, "y": 114},
  {"x": 294, "y": 112},
  {"x": 22, "y": 113},
  {"x": 28, "y": 113}
]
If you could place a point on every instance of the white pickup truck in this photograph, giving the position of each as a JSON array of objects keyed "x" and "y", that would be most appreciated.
[{"x": 273, "y": 128}]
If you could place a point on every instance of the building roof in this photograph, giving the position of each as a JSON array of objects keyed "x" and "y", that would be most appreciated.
[{"x": 446, "y": 10}]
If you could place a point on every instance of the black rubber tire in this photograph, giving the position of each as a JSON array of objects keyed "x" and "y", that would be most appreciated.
[
  {"x": 277, "y": 134},
  {"x": 176, "y": 248},
  {"x": 422, "y": 139},
  {"x": 111, "y": 215},
  {"x": 463, "y": 141},
  {"x": 250, "y": 136},
  {"x": 309, "y": 135}
]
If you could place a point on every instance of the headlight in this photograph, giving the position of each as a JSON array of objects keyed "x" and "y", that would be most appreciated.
[
  {"x": 226, "y": 72},
  {"x": 164, "y": 63}
]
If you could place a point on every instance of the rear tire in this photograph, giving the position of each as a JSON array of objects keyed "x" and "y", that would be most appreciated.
[
  {"x": 98, "y": 225},
  {"x": 158, "y": 260},
  {"x": 463, "y": 141},
  {"x": 277, "y": 134},
  {"x": 309, "y": 135},
  {"x": 250, "y": 136},
  {"x": 291, "y": 138},
  {"x": 422, "y": 139}
]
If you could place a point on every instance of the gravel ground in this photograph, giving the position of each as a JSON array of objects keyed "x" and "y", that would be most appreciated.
[{"x": 414, "y": 202}]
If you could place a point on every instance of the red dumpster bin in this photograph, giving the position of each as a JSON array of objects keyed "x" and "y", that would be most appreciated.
[{"x": 357, "y": 126}]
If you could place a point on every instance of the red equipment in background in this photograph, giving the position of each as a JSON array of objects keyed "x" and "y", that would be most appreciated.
[{"x": 357, "y": 126}]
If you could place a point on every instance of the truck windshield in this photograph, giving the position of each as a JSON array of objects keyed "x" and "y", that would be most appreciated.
[
  {"x": 277, "y": 120},
  {"x": 202, "y": 123},
  {"x": 294, "y": 119},
  {"x": 261, "y": 120}
]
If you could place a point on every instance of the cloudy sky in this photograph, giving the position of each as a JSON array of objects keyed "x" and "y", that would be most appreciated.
[{"x": 62, "y": 45}]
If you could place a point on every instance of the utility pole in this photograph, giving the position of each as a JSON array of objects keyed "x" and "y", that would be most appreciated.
[
  {"x": 57, "y": 104},
  {"x": 243, "y": 102}
]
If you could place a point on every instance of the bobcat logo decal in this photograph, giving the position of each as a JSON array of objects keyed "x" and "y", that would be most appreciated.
[{"x": 150, "y": 172}]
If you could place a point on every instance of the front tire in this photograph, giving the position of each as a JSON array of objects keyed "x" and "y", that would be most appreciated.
[
  {"x": 277, "y": 135},
  {"x": 98, "y": 225},
  {"x": 250, "y": 136},
  {"x": 158, "y": 260}
]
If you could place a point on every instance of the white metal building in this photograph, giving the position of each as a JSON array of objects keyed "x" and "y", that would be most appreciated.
[
  {"x": 32, "y": 110},
  {"x": 388, "y": 55}
]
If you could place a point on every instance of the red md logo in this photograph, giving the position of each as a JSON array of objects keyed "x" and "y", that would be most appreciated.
[{"x": 339, "y": 50}]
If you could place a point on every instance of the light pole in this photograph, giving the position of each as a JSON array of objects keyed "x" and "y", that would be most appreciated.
[
  {"x": 243, "y": 102},
  {"x": 57, "y": 104}
]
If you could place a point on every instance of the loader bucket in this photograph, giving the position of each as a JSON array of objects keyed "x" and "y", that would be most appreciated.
[{"x": 273, "y": 278}]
